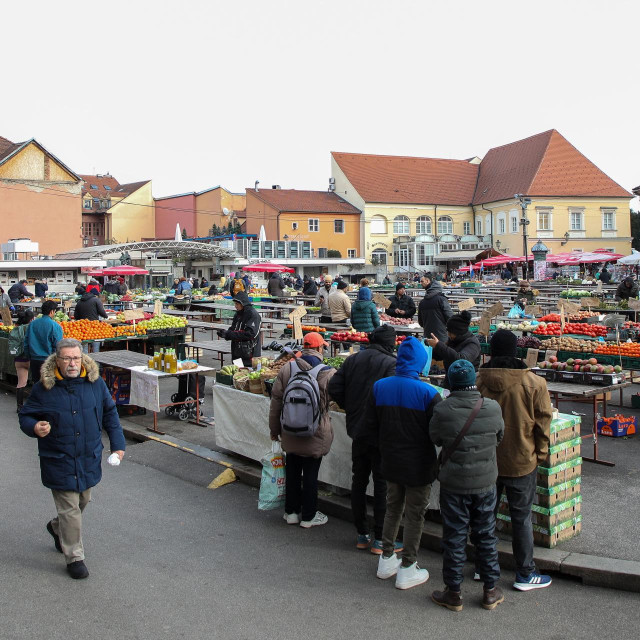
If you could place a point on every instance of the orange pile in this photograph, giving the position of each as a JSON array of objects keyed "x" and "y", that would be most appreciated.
[
  {"x": 629, "y": 349},
  {"x": 129, "y": 330},
  {"x": 309, "y": 327},
  {"x": 87, "y": 330}
]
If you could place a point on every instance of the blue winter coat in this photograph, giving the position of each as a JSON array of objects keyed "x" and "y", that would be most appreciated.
[
  {"x": 77, "y": 410},
  {"x": 364, "y": 315},
  {"x": 41, "y": 338}
]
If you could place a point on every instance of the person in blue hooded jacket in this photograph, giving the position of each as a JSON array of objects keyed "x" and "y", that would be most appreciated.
[
  {"x": 66, "y": 412},
  {"x": 399, "y": 410},
  {"x": 364, "y": 315}
]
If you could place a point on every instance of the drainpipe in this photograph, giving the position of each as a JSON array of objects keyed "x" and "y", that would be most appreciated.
[
  {"x": 491, "y": 213},
  {"x": 435, "y": 231}
]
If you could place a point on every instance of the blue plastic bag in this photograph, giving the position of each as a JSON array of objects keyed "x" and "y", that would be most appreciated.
[
  {"x": 272, "y": 484},
  {"x": 516, "y": 312},
  {"x": 427, "y": 367}
]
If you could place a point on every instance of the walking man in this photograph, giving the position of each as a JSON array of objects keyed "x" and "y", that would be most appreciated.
[
  {"x": 527, "y": 412},
  {"x": 67, "y": 410}
]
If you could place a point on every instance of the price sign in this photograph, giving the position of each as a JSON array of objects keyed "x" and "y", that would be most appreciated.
[
  {"x": 6, "y": 316},
  {"x": 379, "y": 299},
  {"x": 587, "y": 303},
  {"x": 563, "y": 319},
  {"x": 298, "y": 312},
  {"x": 569, "y": 307},
  {"x": 238, "y": 363},
  {"x": 549, "y": 353},
  {"x": 532, "y": 310},
  {"x": 66, "y": 305},
  {"x": 495, "y": 309},
  {"x": 532, "y": 357},
  {"x": 134, "y": 314},
  {"x": 297, "y": 328},
  {"x": 157, "y": 308},
  {"x": 485, "y": 324},
  {"x": 634, "y": 304},
  {"x": 466, "y": 304}
]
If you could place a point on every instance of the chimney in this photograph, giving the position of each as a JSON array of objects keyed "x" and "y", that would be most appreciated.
[{"x": 256, "y": 185}]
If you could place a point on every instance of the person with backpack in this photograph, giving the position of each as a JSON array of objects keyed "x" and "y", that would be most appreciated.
[
  {"x": 299, "y": 418},
  {"x": 20, "y": 358}
]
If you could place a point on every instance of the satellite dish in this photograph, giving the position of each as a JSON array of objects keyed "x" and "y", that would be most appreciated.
[{"x": 226, "y": 211}]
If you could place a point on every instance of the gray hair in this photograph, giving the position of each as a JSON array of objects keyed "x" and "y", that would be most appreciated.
[{"x": 68, "y": 343}]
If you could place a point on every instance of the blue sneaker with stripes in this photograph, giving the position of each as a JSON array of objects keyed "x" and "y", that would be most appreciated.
[{"x": 534, "y": 581}]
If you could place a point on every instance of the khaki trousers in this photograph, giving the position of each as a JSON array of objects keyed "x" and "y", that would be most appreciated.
[{"x": 68, "y": 524}]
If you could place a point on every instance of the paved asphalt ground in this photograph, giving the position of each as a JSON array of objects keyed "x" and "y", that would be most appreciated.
[{"x": 170, "y": 558}]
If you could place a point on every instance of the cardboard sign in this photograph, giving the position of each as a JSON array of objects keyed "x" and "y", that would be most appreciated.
[
  {"x": 599, "y": 286},
  {"x": 484, "y": 327},
  {"x": 297, "y": 328},
  {"x": 66, "y": 305},
  {"x": 532, "y": 310},
  {"x": 634, "y": 304},
  {"x": 466, "y": 304},
  {"x": 134, "y": 314},
  {"x": 157, "y": 308},
  {"x": 569, "y": 307},
  {"x": 379, "y": 299},
  {"x": 532, "y": 358},
  {"x": 6, "y": 316},
  {"x": 495, "y": 309},
  {"x": 563, "y": 319},
  {"x": 548, "y": 353},
  {"x": 298, "y": 312},
  {"x": 587, "y": 303},
  {"x": 238, "y": 362}
]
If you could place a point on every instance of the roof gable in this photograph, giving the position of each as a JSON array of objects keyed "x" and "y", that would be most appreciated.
[
  {"x": 304, "y": 201},
  {"x": 8, "y": 149},
  {"x": 407, "y": 180}
]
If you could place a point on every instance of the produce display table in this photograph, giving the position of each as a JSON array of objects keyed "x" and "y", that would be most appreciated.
[
  {"x": 220, "y": 347},
  {"x": 144, "y": 382},
  {"x": 563, "y": 391}
]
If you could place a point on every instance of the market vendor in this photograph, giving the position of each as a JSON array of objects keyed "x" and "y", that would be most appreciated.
[
  {"x": 525, "y": 295},
  {"x": 244, "y": 332},
  {"x": 402, "y": 305},
  {"x": 19, "y": 291},
  {"x": 628, "y": 288}
]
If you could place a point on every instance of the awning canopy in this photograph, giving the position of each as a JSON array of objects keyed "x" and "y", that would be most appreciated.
[
  {"x": 268, "y": 267},
  {"x": 186, "y": 248},
  {"x": 583, "y": 257},
  {"x": 124, "y": 270}
]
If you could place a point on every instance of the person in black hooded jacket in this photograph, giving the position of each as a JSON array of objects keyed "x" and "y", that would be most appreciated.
[
  {"x": 310, "y": 288},
  {"x": 89, "y": 307},
  {"x": 349, "y": 388},
  {"x": 244, "y": 332},
  {"x": 434, "y": 310},
  {"x": 402, "y": 305},
  {"x": 462, "y": 344}
]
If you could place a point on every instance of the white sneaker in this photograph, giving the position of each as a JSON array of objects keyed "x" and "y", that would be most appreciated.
[
  {"x": 388, "y": 567},
  {"x": 292, "y": 518},
  {"x": 411, "y": 576},
  {"x": 316, "y": 521}
]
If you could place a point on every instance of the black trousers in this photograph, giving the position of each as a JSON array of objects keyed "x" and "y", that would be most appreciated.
[
  {"x": 34, "y": 368},
  {"x": 301, "y": 475},
  {"x": 365, "y": 459},
  {"x": 461, "y": 512}
]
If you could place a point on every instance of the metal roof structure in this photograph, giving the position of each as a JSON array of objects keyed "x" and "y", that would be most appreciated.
[{"x": 183, "y": 248}]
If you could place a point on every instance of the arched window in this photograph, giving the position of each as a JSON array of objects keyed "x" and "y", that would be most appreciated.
[
  {"x": 378, "y": 224},
  {"x": 445, "y": 225},
  {"x": 423, "y": 226},
  {"x": 401, "y": 225},
  {"x": 379, "y": 256}
]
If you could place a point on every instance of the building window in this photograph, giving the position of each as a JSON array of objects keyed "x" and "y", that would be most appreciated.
[
  {"x": 466, "y": 228},
  {"x": 87, "y": 204},
  {"x": 294, "y": 226},
  {"x": 378, "y": 225},
  {"x": 478, "y": 227},
  {"x": 338, "y": 226},
  {"x": 501, "y": 226},
  {"x": 322, "y": 252},
  {"x": 608, "y": 219},
  {"x": 423, "y": 226},
  {"x": 401, "y": 225},
  {"x": 380, "y": 255},
  {"x": 514, "y": 224},
  {"x": 105, "y": 204},
  {"x": 448, "y": 246},
  {"x": 544, "y": 220},
  {"x": 576, "y": 220},
  {"x": 94, "y": 186},
  {"x": 314, "y": 224},
  {"x": 106, "y": 187},
  {"x": 445, "y": 225},
  {"x": 352, "y": 253}
]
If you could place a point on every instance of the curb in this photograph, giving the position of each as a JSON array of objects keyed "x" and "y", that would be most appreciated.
[{"x": 597, "y": 571}]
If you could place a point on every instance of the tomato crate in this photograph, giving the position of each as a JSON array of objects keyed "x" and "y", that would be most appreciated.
[{"x": 618, "y": 426}]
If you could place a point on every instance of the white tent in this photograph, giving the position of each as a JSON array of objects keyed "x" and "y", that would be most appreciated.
[
  {"x": 178, "y": 237},
  {"x": 634, "y": 258},
  {"x": 263, "y": 235}
]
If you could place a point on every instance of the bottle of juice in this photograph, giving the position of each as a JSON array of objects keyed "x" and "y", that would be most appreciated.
[
  {"x": 152, "y": 363},
  {"x": 174, "y": 362},
  {"x": 156, "y": 360},
  {"x": 167, "y": 361}
]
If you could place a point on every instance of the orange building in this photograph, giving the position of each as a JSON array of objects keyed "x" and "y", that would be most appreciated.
[
  {"x": 320, "y": 217},
  {"x": 40, "y": 198}
]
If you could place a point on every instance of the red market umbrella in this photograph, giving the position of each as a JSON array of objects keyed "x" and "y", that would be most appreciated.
[
  {"x": 268, "y": 267},
  {"x": 124, "y": 270},
  {"x": 583, "y": 257}
]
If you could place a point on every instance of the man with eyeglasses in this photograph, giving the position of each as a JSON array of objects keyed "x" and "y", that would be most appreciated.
[{"x": 66, "y": 412}]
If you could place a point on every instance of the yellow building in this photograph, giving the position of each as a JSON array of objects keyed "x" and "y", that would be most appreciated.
[
  {"x": 218, "y": 206},
  {"x": 132, "y": 218},
  {"x": 423, "y": 213}
]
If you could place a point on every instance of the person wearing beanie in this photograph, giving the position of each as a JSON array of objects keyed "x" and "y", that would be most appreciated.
[
  {"x": 309, "y": 287},
  {"x": 402, "y": 305},
  {"x": 244, "y": 332},
  {"x": 434, "y": 310},
  {"x": 467, "y": 485},
  {"x": 339, "y": 303},
  {"x": 364, "y": 315},
  {"x": 322, "y": 300},
  {"x": 398, "y": 413},
  {"x": 349, "y": 388},
  {"x": 461, "y": 345},
  {"x": 527, "y": 412}
]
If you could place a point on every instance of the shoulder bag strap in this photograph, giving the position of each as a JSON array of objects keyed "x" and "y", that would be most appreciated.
[{"x": 463, "y": 432}]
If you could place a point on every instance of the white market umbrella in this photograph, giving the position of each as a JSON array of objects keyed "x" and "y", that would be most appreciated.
[
  {"x": 263, "y": 234},
  {"x": 634, "y": 258},
  {"x": 178, "y": 237}
]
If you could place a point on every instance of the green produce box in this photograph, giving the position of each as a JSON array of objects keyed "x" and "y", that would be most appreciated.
[
  {"x": 224, "y": 379},
  {"x": 551, "y": 476},
  {"x": 551, "y": 496},
  {"x": 565, "y": 427},
  {"x": 562, "y": 452},
  {"x": 549, "y": 516},
  {"x": 548, "y": 537}
]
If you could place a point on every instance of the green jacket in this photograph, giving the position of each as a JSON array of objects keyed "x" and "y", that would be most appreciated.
[
  {"x": 472, "y": 467},
  {"x": 364, "y": 316}
]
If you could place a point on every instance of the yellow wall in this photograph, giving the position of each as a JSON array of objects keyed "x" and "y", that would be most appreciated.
[
  {"x": 325, "y": 237},
  {"x": 130, "y": 222},
  {"x": 215, "y": 201},
  {"x": 29, "y": 164}
]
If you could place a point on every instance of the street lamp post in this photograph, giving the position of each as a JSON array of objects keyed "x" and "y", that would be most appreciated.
[{"x": 524, "y": 222}]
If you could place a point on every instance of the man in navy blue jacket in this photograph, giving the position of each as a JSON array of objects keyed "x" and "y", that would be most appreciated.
[
  {"x": 67, "y": 410},
  {"x": 398, "y": 415}
]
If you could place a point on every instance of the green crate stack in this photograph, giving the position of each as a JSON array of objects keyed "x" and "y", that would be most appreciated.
[{"x": 556, "y": 513}]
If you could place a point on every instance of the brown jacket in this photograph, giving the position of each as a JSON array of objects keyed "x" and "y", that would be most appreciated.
[
  {"x": 526, "y": 411},
  {"x": 339, "y": 305},
  {"x": 314, "y": 446}
]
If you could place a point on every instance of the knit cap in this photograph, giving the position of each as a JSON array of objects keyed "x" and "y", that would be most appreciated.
[
  {"x": 458, "y": 323},
  {"x": 461, "y": 374},
  {"x": 504, "y": 343}
]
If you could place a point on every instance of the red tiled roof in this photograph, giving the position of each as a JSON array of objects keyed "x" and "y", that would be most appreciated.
[
  {"x": 7, "y": 147},
  {"x": 406, "y": 180},
  {"x": 100, "y": 182},
  {"x": 304, "y": 201},
  {"x": 130, "y": 187},
  {"x": 543, "y": 165}
]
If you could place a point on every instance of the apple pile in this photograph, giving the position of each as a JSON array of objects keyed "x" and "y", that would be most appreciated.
[
  {"x": 586, "y": 366},
  {"x": 350, "y": 336}
]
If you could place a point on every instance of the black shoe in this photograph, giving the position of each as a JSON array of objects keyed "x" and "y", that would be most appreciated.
[
  {"x": 56, "y": 538},
  {"x": 449, "y": 599},
  {"x": 78, "y": 570},
  {"x": 19, "y": 399},
  {"x": 492, "y": 598}
]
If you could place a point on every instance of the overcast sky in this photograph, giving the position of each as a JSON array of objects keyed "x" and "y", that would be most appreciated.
[{"x": 203, "y": 92}]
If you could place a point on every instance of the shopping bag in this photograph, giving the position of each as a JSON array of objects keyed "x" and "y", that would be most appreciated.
[
  {"x": 272, "y": 484},
  {"x": 516, "y": 312},
  {"x": 427, "y": 367}
]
